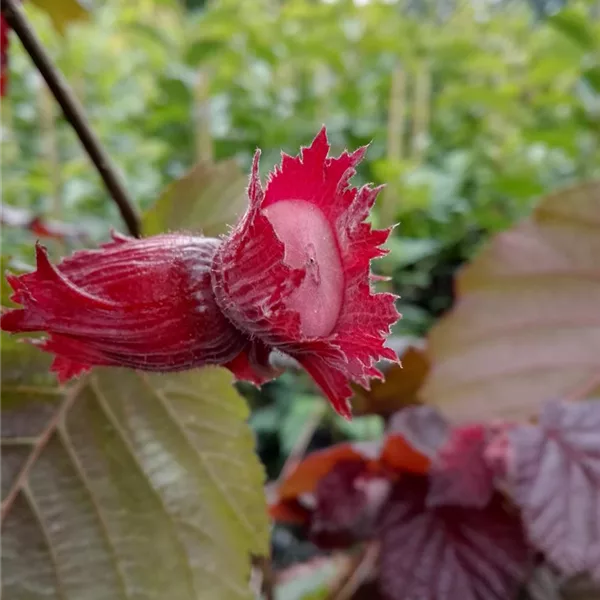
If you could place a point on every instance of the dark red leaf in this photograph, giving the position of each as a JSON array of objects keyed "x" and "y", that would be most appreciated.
[
  {"x": 496, "y": 453},
  {"x": 391, "y": 457},
  {"x": 347, "y": 503},
  {"x": 306, "y": 476},
  {"x": 343, "y": 488},
  {"x": 459, "y": 473},
  {"x": 449, "y": 553},
  {"x": 553, "y": 474}
]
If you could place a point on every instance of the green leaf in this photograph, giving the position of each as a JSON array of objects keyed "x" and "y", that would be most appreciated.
[
  {"x": 361, "y": 429},
  {"x": 592, "y": 76},
  {"x": 194, "y": 4},
  {"x": 574, "y": 26},
  {"x": 265, "y": 420},
  {"x": 207, "y": 198},
  {"x": 406, "y": 251},
  {"x": 304, "y": 408},
  {"x": 199, "y": 51},
  {"x": 62, "y": 12},
  {"x": 127, "y": 485}
]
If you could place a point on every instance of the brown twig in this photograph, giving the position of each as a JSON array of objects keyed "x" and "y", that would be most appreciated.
[
  {"x": 303, "y": 441},
  {"x": 73, "y": 112},
  {"x": 357, "y": 573},
  {"x": 262, "y": 564}
]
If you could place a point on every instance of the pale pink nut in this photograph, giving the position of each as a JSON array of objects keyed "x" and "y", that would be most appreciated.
[
  {"x": 309, "y": 244},
  {"x": 295, "y": 273}
]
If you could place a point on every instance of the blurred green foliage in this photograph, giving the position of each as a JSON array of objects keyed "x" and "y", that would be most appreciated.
[{"x": 472, "y": 111}]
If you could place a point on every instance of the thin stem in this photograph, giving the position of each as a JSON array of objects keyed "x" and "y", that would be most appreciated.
[
  {"x": 421, "y": 117},
  {"x": 396, "y": 115},
  {"x": 204, "y": 142},
  {"x": 396, "y": 126},
  {"x": 51, "y": 153},
  {"x": 302, "y": 443},
  {"x": 73, "y": 112},
  {"x": 267, "y": 584},
  {"x": 358, "y": 572}
]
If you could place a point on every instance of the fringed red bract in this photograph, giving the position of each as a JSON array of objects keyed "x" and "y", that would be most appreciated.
[{"x": 310, "y": 295}]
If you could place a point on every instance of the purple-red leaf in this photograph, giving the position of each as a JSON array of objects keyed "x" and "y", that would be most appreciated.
[
  {"x": 449, "y": 553},
  {"x": 423, "y": 427},
  {"x": 553, "y": 473},
  {"x": 342, "y": 487},
  {"x": 305, "y": 477},
  {"x": 459, "y": 473},
  {"x": 347, "y": 504}
]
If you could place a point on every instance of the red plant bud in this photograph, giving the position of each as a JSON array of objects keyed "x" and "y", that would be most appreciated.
[
  {"x": 295, "y": 272},
  {"x": 294, "y": 275},
  {"x": 145, "y": 304}
]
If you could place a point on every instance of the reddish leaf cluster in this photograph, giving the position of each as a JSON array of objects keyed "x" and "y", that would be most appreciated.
[
  {"x": 459, "y": 512},
  {"x": 552, "y": 470},
  {"x": 337, "y": 492},
  {"x": 293, "y": 275}
]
